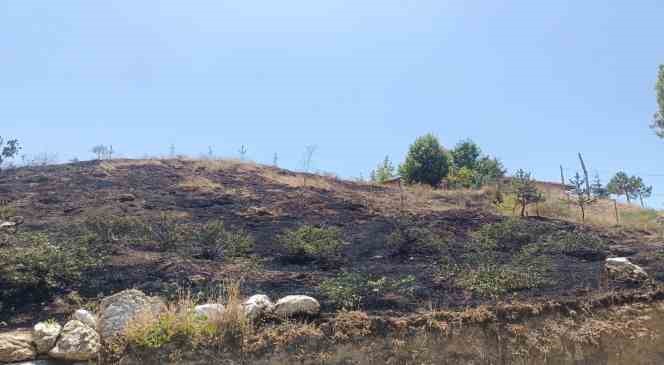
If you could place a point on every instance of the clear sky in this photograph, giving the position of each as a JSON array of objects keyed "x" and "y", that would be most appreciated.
[{"x": 533, "y": 82}]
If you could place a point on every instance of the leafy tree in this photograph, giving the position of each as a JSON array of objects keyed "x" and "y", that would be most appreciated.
[
  {"x": 640, "y": 189},
  {"x": 658, "y": 123},
  {"x": 426, "y": 163},
  {"x": 580, "y": 194},
  {"x": 8, "y": 150},
  {"x": 622, "y": 184},
  {"x": 466, "y": 154},
  {"x": 488, "y": 169},
  {"x": 525, "y": 190},
  {"x": 383, "y": 172}
]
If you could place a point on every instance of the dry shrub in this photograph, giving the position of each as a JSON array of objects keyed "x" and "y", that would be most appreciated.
[
  {"x": 351, "y": 325},
  {"x": 232, "y": 328}
]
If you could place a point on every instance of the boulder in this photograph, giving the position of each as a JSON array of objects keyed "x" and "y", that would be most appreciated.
[
  {"x": 120, "y": 308},
  {"x": 209, "y": 311},
  {"x": 16, "y": 346},
  {"x": 297, "y": 305},
  {"x": 77, "y": 342},
  {"x": 86, "y": 318},
  {"x": 620, "y": 268},
  {"x": 257, "y": 306},
  {"x": 7, "y": 226},
  {"x": 44, "y": 335}
]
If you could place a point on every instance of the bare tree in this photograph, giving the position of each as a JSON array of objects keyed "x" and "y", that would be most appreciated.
[
  {"x": 307, "y": 161},
  {"x": 243, "y": 152}
]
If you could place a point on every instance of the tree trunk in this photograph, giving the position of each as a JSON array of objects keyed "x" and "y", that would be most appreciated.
[
  {"x": 583, "y": 213},
  {"x": 641, "y": 198},
  {"x": 523, "y": 208}
]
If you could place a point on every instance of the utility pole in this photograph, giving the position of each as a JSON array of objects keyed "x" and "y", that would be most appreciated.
[
  {"x": 562, "y": 176},
  {"x": 585, "y": 174}
]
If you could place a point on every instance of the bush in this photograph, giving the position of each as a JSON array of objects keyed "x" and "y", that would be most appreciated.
[
  {"x": 406, "y": 239},
  {"x": 508, "y": 234},
  {"x": 349, "y": 290},
  {"x": 216, "y": 241},
  {"x": 31, "y": 265},
  {"x": 312, "y": 243},
  {"x": 494, "y": 280},
  {"x": 109, "y": 230},
  {"x": 166, "y": 231},
  {"x": 426, "y": 163}
]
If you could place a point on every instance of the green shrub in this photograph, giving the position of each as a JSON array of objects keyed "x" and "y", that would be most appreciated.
[
  {"x": 109, "y": 230},
  {"x": 495, "y": 280},
  {"x": 309, "y": 242},
  {"x": 167, "y": 231},
  {"x": 406, "y": 238},
  {"x": 32, "y": 265},
  {"x": 510, "y": 233},
  {"x": 216, "y": 242},
  {"x": 349, "y": 290}
]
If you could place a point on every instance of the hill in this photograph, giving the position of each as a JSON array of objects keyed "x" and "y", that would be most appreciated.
[{"x": 91, "y": 229}]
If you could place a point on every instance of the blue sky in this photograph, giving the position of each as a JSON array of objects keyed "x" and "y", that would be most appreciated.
[{"x": 533, "y": 82}]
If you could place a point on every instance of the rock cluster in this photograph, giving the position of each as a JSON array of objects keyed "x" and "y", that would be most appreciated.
[{"x": 81, "y": 338}]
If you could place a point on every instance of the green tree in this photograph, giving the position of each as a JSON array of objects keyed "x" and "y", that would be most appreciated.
[
  {"x": 658, "y": 122},
  {"x": 466, "y": 154},
  {"x": 640, "y": 189},
  {"x": 525, "y": 190},
  {"x": 8, "y": 150},
  {"x": 426, "y": 163},
  {"x": 383, "y": 172},
  {"x": 622, "y": 184},
  {"x": 580, "y": 194},
  {"x": 488, "y": 169}
]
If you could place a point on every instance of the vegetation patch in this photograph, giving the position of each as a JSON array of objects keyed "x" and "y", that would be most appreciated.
[
  {"x": 312, "y": 243},
  {"x": 349, "y": 290}
]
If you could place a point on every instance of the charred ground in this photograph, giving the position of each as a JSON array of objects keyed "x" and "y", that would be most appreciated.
[{"x": 267, "y": 201}]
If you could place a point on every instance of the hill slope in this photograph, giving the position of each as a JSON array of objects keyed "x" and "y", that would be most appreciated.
[{"x": 400, "y": 251}]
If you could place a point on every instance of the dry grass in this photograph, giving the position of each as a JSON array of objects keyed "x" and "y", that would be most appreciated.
[
  {"x": 300, "y": 180},
  {"x": 178, "y": 322},
  {"x": 198, "y": 184}
]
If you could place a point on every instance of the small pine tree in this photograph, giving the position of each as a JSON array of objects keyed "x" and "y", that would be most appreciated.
[
  {"x": 579, "y": 193},
  {"x": 384, "y": 171},
  {"x": 426, "y": 163},
  {"x": 597, "y": 189},
  {"x": 525, "y": 190}
]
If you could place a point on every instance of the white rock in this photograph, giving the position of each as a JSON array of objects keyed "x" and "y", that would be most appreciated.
[
  {"x": 292, "y": 305},
  {"x": 257, "y": 305},
  {"x": 620, "y": 268},
  {"x": 210, "y": 310},
  {"x": 77, "y": 342},
  {"x": 120, "y": 308},
  {"x": 44, "y": 335},
  {"x": 86, "y": 318},
  {"x": 16, "y": 346}
]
